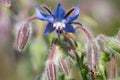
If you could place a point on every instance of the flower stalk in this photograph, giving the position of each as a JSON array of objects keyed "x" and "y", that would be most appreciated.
[
  {"x": 87, "y": 33},
  {"x": 113, "y": 68},
  {"x": 32, "y": 18},
  {"x": 52, "y": 52}
]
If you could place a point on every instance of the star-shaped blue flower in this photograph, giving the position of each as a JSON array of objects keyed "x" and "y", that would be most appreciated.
[{"x": 58, "y": 20}]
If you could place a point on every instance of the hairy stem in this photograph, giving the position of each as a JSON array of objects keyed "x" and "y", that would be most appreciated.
[
  {"x": 113, "y": 67},
  {"x": 52, "y": 52},
  {"x": 88, "y": 34},
  {"x": 32, "y": 18}
]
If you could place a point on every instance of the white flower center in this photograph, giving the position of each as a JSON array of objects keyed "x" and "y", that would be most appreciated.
[{"x": 59, "y": 25}]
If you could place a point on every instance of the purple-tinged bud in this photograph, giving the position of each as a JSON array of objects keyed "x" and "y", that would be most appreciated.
[
  {"x": 102, "y": 38},
  {"x": 51, "y": 70},
  {"x": 52, "y": 65},
  {"x": 111, "y": 45},
  {"x": 64, "y": 66},
  {"x": 62, "y": 62},
  {"x": 24, "y": 31},
  {"x": 93, "y": 55},
  {"x": 23, "y": 35}
]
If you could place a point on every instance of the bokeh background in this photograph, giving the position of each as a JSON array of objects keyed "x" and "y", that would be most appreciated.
[{"x": 99, "y": 16}]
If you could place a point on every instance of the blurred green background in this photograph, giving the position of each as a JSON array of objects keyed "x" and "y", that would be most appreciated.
[{"x": 99, "y": 16}]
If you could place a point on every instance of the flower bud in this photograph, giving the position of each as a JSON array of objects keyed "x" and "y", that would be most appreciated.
[
  {"x": 23, "y": 35},
  {"x": 62, "y": 63},
  {"x": 64, "y": 66},
  {"x": 93, "y": 55},
  {"x": 113, "y": 45},
  {"x": 70, "y": 40},
  {"x": 51, "y": 70}
]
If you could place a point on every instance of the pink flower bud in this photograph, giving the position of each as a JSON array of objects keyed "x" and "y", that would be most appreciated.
[
  {"x": 93, "y": 55},
  {"x": 23, "y": 35},
  {"x": 64, "y": 66},
  {"x": 51, "y": 70}
]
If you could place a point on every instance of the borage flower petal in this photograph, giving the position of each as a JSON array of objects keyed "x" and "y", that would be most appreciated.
[
  {"x": 43, "y": 16},
  {"x": 49, "y": 28},
  {"x": 69, "y": 28},
  {"x": 59, "y": 13},
  {"x": 75, "y": 16}
]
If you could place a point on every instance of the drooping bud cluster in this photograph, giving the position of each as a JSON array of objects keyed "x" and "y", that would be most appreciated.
[
  {"x": 55, "y": 62},
  {"x": 114, "y": 46},
  {"x": 64, "y": 51},
  {"x": 92, "y": 49},
  {"x": 111, "y": 45}
]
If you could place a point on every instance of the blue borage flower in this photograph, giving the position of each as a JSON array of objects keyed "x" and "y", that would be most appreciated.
[{"x": 58, "y": 20}]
